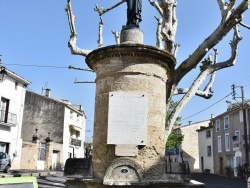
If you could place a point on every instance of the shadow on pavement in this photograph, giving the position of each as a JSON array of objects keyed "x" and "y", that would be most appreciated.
[{"x": 215, "y": 181}]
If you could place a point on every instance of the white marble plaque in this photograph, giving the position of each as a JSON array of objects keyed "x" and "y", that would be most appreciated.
[
  {"x": 126, "y": 150},
  {"x": 127, "y": 118}
]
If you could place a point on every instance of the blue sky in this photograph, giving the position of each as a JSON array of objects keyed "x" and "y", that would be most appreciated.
[{"x": 36, "y": 33}]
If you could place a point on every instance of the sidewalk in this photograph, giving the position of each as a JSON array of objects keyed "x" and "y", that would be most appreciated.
[{"x": 26, "y": 172}]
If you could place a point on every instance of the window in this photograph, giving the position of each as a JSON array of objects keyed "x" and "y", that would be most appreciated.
[
  {"x": 208, "y": 134},
  {"x": 71, "y": 114},
  {"x": 217, "y": 125},
  {"x": 209, "y": 151},
  {"x": 236, "y": 136},
  {"x": 2, "y": 155},
  {"x": 16, "y": 85},
  {"x": 241, "y": 115},
  {"x": 219, "y": 143},
  {"x": 4, "y": 108},
  {"x": 227, "y": 142},
  {"x": 41, "y": 152},
  {"x": 78, "y": 118},
  {"x": 226, "y": 122},
  {"x": 236, "y": 139}
]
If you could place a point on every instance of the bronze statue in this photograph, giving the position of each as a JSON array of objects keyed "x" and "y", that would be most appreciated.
[
  {"x": 134, "y": 8},
  {"x": 134, "y": 12}
]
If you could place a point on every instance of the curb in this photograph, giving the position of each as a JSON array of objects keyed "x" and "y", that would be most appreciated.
[{"x": 26, "y": 174}]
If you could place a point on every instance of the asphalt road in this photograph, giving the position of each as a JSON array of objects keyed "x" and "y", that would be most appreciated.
[
  {"x": 214, "y": 181},
  {"x": 51, "y": 181}
]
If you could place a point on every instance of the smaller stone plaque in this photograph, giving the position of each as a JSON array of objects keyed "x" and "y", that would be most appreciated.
[{"x": 126, "y": 150}]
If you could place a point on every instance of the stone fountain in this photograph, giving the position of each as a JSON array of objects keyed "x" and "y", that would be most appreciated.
[{"x": 130, "y": 112}]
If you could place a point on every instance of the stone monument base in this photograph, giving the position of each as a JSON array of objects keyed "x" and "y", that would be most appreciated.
[
  {"x": 131, "y": 35},
  {"x": 79, "y": 174},
  {"x": 77, "y": 182}
]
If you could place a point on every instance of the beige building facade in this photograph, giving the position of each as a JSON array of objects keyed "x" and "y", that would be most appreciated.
[
  {"x": 53, "y": 131},
  {"x": 190, "y": 144}
]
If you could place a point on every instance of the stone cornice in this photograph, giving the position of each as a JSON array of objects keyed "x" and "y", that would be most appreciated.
[{"x": 130, "y": 50}]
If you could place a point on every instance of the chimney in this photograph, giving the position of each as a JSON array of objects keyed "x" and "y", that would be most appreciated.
[
  {"x": 189, "y": 122},
  {"x": 47, "y": 92}
]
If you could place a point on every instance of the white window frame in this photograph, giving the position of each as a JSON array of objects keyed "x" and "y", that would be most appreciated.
[
  {"x": 208, "y": 136},
  {"x": 41, "y": 152},
  {"x": 217, "y": 125},
  {"x": 226, "y": 124},
  {"x": 241, "y": 116},
  {"x": 209, "y": 151},
  {"x": 227, "y": 142},
  {"x": 219, "y": 143},
  {"x": 237, "y": 133}
]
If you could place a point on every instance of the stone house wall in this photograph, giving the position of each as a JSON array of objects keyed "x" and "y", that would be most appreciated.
[
  {"x": 29, "y": 155},
  {"x": 190, "y": 145}
]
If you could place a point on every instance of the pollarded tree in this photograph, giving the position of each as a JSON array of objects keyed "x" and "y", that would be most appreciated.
[{"x": 231, "y": 19}]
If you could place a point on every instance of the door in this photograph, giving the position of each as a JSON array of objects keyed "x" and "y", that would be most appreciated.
[
  {"x": 221, "y": 166},
  {"x": 55, "y": 160},
  {"x": 202, "y": 164},
  {"x": 41, "y": 156}
]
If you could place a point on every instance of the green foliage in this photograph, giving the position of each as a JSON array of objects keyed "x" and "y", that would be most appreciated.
[
  {"x": 174, "y": 140},
  {"x": 240, "y": 170},
  {"x": 229, "y": 171},
  {"x": 172, "y": 105}
]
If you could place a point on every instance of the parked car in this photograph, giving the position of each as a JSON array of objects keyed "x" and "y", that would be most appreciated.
[{"x": 5, "y": 162}]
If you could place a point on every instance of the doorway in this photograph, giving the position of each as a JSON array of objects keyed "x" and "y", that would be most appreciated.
[
  {"x": 221, "y": 166},
  {"x": 202, "y": 164},
  {"x": 55, "y": 160}
]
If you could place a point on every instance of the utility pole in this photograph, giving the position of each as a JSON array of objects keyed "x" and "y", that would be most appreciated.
[
  {"x": 245, "y": 126},
  {"x": 243, "y": 107}
]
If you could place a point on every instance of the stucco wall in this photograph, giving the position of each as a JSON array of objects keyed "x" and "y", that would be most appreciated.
[
  {"x": 203, "y": 143},
  {"x": 224, "y": 157},
  {"x": 190, "y": 146},
  {"x": 12, "y": 135},
  {"x": 29, "y": 155},
  {"x": 45, "y": 114}
]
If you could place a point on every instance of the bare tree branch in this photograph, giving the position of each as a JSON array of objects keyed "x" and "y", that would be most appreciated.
[
  {"x": 100, "y": 38},
  {"x": 220, "y": 32},
  {"x": 117, "y": 36},
  {"x": 101, "y": 10},
  {"x": 234, "y": 49},
  {"x": 73, "y": 37},
  {"x": 244, "y": 25},
  {"x": 157, "y": 6},
  {"x": 208, "y": 88},
  {"x": 167, "y": 9},
  {"x": 176, "y": 47},
  {"x": 158, "y": 33},
  {"x": 206, "y": 70}
]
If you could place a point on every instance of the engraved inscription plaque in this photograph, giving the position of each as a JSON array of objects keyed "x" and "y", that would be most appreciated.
[
  {"x": 127, "y": 118},
  {"x": 126, "y": 150}
]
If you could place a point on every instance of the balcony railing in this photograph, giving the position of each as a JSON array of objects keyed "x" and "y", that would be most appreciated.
[
  {"x": 7, "y": 118},
  {"x": 75, "y": 142}
]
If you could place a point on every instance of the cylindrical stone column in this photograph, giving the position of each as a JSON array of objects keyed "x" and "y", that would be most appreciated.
[{"x": 131, "y": 68}]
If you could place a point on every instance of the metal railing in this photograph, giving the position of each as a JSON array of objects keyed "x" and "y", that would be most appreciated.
[
  {"x": 8, "y": 118},
  {"x": 75, "y": 142}
]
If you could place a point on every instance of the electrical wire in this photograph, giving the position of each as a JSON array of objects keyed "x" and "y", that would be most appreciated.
[
  {"x": 41, "y": 66},
  {"x": 206, "y": 108}
]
